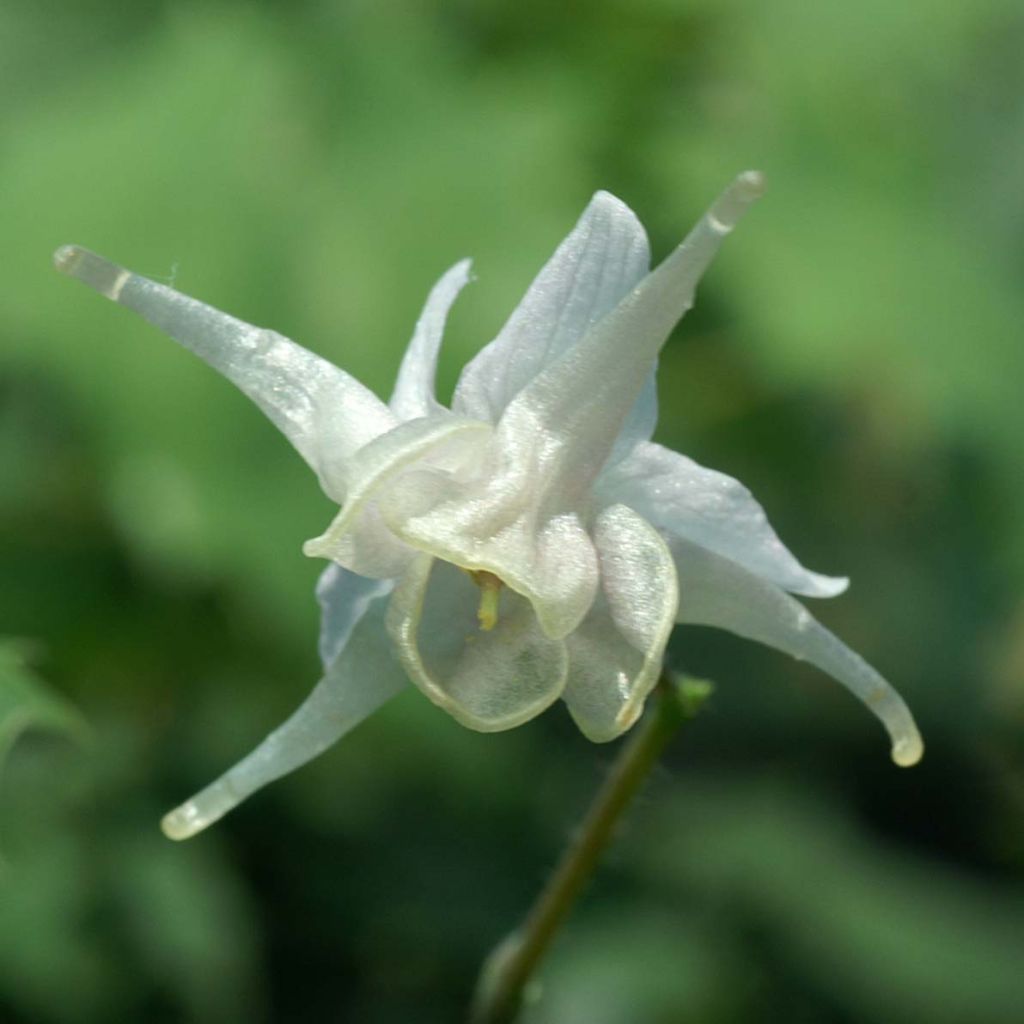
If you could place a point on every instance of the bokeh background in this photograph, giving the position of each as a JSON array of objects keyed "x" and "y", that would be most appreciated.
[{"x": 855, "y": 357}]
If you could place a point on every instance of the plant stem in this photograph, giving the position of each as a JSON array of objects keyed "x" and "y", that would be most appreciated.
[{"x": 508, "y": 969}]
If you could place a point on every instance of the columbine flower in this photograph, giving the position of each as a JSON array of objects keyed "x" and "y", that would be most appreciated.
[{"x": 531, "y": 543}]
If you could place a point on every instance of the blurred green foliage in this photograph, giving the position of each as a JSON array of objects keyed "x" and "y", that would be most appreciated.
[
  {"x": 27, "y": 703},
  {"x": 855, "y": 357}
]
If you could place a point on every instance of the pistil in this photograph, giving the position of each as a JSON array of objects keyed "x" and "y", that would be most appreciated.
[{"x": 490, "y": 591}]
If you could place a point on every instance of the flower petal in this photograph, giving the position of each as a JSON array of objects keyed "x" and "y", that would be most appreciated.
[
  {"x": 615, "y": 656},
  {"x": 362, "y": 678},
  {"x": 487, "y": 680},
  {"x": 357, "y": 538},
  {"x": 568, "y": 417},
  {"x": 713, "y": 510},
  {"x": 343, "y": 598},
  {"x": 640, "y": 423},
  {"x": 325, "y": 413},
  {"x": 414, "y": 390},
  {"x": 521, "y": 518},
  {"x": 492, "y": 523},
  {"x": 601, "y": 260},
  {"x": 718, "y": 592}
]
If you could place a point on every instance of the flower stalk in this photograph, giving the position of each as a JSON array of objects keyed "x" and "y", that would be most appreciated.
[{"x": 507, "y": 970}]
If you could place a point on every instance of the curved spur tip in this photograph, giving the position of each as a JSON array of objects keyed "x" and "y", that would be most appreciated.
[
  {"x": 735, "y": 200},
  {"x": 183, "y": 822},
  {"x": 66, "y": 258},
  {"x": 105, "y": 277},
  {"x": 750, "y": 185},
  {"x": 907, "y": 751}
]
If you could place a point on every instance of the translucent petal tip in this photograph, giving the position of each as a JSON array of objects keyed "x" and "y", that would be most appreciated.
[
  {"x": 908, "y": 750},
  {"x": 735, "y": 200},
  {"x": 65, "y": 258},
  {"x": 751, "y": 184},
  {"x": 105, "y": 277},
  {"x": 889, "y": 706},
  {"x": 186, "y": 821}
]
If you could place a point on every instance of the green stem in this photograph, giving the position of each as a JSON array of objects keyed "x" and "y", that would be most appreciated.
[{"x": 509, "y": 967}]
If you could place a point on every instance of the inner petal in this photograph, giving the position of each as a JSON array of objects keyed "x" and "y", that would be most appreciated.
[
  {"x": 358, "y": 538},
  {"x": 491, "y": 522},
  {"x": 487, "y": 678},
  {"x": 616, "y": 654}
]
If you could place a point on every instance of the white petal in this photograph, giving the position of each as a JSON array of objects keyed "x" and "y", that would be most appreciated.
[
  {"x": 717, "y": 592},
  {"x": 357, "y": 538},
  {"x": 615, "y": 656},
  {"x": 710, "y": 509},
  {"x": 493, "y": 523},
  {"x": 487, "y": 680},
  {"x": 601, "y": 260},
  {"x": 640, "y": 422},
  {"x": 325, "y": 413},
  {"x": 414, "y": 390},
  {"x": 343, "y": 598},
  {"x": 576, "y": 407},
  {"x": 362, "y": 678}
]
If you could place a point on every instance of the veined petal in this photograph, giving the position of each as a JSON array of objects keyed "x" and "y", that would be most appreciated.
[
  {"x": 357, "y": 538},
  {"x": 713, "y": 510},
  {"x": 575, "y": 408},
  {"x": 325, "y": 413},
  {"x": 615, "y": 656},
  {"x": 601, "y": 260},
  {"x": 488, "y": 680},
  {"x": 362, "y": 678},
  {"x": 343, "y": 598},
  {"x": 414, "y": 390},
  {"x": 718, "y": 592}
]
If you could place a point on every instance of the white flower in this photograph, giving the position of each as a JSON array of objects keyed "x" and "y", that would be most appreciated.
[{"x": 532, "y": 542}]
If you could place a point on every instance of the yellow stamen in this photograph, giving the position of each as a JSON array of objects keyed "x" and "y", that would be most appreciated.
[{"x": 490, "y": 591}]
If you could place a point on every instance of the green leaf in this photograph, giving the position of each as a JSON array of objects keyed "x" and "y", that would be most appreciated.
[{"x": 26, "y": 702}]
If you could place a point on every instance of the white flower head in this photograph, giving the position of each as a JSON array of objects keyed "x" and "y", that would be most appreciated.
[{"x": 531, "y": 542}]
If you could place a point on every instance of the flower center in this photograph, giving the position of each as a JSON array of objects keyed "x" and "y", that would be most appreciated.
[{"x": 490, "y": 590}]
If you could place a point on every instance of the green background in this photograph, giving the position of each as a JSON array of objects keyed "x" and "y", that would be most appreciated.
[{"x": 855, "y": 357}]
